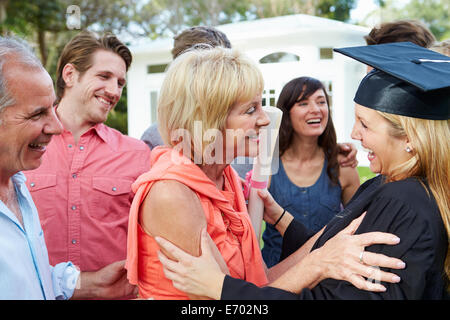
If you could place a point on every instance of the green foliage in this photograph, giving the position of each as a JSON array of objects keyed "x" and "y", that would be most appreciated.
[
  {"x": 23, "y": 17},
  {"x": 365, "y": 174},
  {"x": 169, "y": 17},
  {"x": 435, "y": 14},
  {"x": 118, "y": 120},
  {"x": 43, "y": 22},
  {"x": 122, "y": 104},
  {"x": 335, "y": 9}
]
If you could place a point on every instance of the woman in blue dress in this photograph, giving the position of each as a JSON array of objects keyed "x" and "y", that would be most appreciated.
[{"x": 309, "y": 183}]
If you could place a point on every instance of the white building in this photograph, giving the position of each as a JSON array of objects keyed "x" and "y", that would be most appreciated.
[{"x": 285, "y": 47}]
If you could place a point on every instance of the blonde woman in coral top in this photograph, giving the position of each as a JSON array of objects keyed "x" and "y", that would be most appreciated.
[{"x": 209, "y": 112}]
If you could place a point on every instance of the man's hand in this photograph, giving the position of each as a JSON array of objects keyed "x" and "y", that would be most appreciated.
[{"x": 110, "y": 282}]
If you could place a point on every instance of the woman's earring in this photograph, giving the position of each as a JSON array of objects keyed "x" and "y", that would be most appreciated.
[{"x": 408, "y": 149}]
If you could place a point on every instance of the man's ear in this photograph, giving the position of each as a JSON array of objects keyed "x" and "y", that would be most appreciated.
[{"x": 69, "y": 74}]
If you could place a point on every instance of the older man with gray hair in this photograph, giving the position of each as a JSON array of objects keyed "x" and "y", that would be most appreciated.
[{"x": 27, "y": 124}]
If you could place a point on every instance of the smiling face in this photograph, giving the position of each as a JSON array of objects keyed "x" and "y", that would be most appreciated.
[
  {"x": 309, "y": 116},
  {"x": 385, "y": 152},
  {"x": 242, "y": 128},
  {"x": 97, "y": 91},
  {"x": 27, "y": 126}
]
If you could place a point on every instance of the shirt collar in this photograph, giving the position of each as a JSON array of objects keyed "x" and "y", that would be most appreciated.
[
  {"x": 102, "y": 132},
  {"x": 18, "y": 178},
  {"x": 106, "y": 134}
]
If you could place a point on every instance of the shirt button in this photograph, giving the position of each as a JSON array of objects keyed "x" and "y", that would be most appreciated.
[
  {"x": 74, "y": 175},
  {"x": 32, "y": 184},
  {"x": 114, "y": 189},
  {"x": 74, "y": 241},
  {"x": 74, "y": 207},
  {"x": 81, "y": 148},
  {"x": 70, "y": 146}
]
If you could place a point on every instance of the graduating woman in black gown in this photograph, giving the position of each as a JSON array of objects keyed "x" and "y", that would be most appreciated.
[{"x": 403, "y": 121}]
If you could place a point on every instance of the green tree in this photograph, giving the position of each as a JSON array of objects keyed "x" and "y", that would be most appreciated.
[
  {"x": 35, "y": 17},
  {"x": 332, "y": 9},
  {"x": 43, "y": 22},
  {"x": 166, "y": 18},
  {"x": 169, "y": 17},
  {"x": 335, "y": 9},
  {"x": 435, "y": 14},
  {"x": 118, "y": 117}
]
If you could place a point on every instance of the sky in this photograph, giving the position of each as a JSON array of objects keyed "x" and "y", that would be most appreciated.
[{"x": 363, "y": 8}]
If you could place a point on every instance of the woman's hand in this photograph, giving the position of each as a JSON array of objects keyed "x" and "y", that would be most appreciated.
[
  {"x": 343, "y": 258},
  {"x": 201, "y": 276},
  {"x": 347, "y": 155},
  {"x": 273, "y": 212}
]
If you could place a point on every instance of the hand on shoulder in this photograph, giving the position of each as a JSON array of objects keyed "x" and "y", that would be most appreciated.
[{"x": 173, "y": 211}]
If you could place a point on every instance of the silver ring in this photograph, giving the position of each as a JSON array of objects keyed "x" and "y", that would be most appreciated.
[{"x": 361, "y": 257}]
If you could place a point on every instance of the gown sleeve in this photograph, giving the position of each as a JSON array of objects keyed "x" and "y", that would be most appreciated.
[
  {"x": 417, "y": 248},
  {"x": 295, "y": 236},
  {"x": 237, "y": 289}
]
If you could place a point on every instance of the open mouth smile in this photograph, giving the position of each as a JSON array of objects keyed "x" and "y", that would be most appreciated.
[
  {"x": 106, "y": 102},
  {"x": 38, "y": 146}
]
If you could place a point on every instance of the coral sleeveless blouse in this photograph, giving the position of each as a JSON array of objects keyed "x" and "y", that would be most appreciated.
[{"x": 228, "y": 224}]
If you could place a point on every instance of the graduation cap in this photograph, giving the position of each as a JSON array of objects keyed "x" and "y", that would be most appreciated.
[{"x": 407, "y": 80}]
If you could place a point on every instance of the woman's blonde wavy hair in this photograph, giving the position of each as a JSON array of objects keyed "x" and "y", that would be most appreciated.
[
  {"x": 430, "y": 140},
  {"x": 203, "y": 85}
]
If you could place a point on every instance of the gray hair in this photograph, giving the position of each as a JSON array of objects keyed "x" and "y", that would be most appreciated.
[{"x": 14, "y": 49}]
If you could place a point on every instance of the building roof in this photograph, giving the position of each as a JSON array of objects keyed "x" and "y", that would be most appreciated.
[
  {"x": 287, "y": 24},
  {"x": 296, "y": 24}
]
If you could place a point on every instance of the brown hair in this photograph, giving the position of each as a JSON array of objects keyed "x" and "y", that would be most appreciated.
[
  {"x": 79, "y": 52},
  {"x": 196, "y": 35},
  {"x": 398, "y": 31},
  {"x": 298, "y": 89}
]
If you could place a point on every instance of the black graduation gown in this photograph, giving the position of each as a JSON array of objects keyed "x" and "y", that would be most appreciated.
[{"x": 403, "y": 208}]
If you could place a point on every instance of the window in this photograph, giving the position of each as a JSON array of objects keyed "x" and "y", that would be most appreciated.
[
  {"x": 329, "y": 87},
  {"x": 153, "y": 106},
  {"x": 269, "y": 97},
  {"x": 326, "y": 53},
  {"x": 156, "y": 68},
  {"x": 278, "y": 57}
]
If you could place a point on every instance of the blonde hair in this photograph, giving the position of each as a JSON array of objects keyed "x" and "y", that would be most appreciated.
[
  {"x": 442, "y": 47},
  {"x": 203, "y": 85},
  {"x": 430, "y": 140}
]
